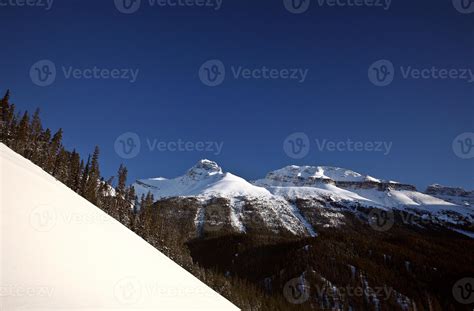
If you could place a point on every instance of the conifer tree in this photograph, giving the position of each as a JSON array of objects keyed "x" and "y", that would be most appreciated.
[
  {"x": 130, "y": 206},
  {"x": 142, "y": 202},
  {"x": 107, "y": 196},
  {"x": 122, "y": 206},
  {"x": 102, "y": 194},
  {"x": 5, "y": 116},
  {"x": 85, "y": 177},
  {"x": 149, "y": 200},
  {"x": 22, "y": 134},
  {"x": 35, "y": 135},
  {"x": 92, "y": 183},
  {"x": 74, "y": 170},
  {"x": 130, "y": 195},
  {"x": 43, "y": 148},
  {"x": 122, "y": 179},
  {"x": 79, "y": 180},
  {"x": 60, "y": 170},
  {"x": 10, "y": 133},
  {"x": 53, "y": 150},
  {"x": 4, "y": 104},
  {"x": 95, "y": 163}
]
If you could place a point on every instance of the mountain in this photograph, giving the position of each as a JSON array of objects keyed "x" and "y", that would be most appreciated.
[
  {"x": 457, "y": 196},
  {"x": 60, "y": 252},
  {"x": 314, "y": 236},
  {"x": 205, "y": 180},
  {"x": 350, "y": 188},
  {"x": 296, "y": 200},
  {"x": 307, "y": 175},
  {"x": 244, "y": 206}
]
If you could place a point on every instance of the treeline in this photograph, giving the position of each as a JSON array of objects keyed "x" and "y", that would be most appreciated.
[{"x": 24, "y": 133}]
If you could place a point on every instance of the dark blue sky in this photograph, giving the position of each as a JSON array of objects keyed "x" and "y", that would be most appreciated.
[{"x": 252, "y": 118}]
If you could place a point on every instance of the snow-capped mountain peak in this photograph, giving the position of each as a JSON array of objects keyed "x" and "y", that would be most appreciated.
[
  {"x": 205, "y": 179},
  {"x": 203, "y": 169}
]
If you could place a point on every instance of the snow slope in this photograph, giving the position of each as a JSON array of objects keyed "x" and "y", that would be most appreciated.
[{"x": 59, "y": 252}]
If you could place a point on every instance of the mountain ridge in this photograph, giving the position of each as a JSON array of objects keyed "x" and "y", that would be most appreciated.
[{"x": 277, "y": 198}]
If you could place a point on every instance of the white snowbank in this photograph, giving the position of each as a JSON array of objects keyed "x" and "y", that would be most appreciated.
[{"x": 59, "y": 252}]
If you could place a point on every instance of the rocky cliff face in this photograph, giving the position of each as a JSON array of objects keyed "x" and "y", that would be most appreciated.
[
  {"x": 436, "y": 189},
  {"x": 377, "y": 185},
  {"x": 454, "y": 195},
  {"x": 310, "y": 176}
]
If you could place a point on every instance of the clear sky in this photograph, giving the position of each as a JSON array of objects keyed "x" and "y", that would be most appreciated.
[{"x": 332, "y": 100}]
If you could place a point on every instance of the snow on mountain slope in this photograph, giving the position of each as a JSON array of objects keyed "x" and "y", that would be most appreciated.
[
  {"x": 392, "y": 199},
  {"x": 454, "y": 195},
  {"x": 402, "y": 199},
  {"x": 327, "y": 183},
  {"x": 59, "y": 252},
  {"x": 206, "y": 180},
  {"x": 295, "y": 173},
  {"x": 320, "y": 191}
]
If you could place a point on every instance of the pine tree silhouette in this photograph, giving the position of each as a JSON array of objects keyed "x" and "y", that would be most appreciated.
[
  {"x": 74, "y": 170},
  {"x": 54, "y": 147},
  {"x": 92, "y": 182},
  {"x": 85, "y": 177},
  {"x": 22, "y": 134},
  {"x": 6, "y": 116}
]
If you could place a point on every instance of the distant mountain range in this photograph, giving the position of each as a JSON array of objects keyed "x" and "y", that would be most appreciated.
[{"x": 296, "y": 200}]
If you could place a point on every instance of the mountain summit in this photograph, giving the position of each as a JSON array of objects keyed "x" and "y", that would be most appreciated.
[
  {"x": 203, "y": 169},
  {"x": 206, "y": 179}
]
